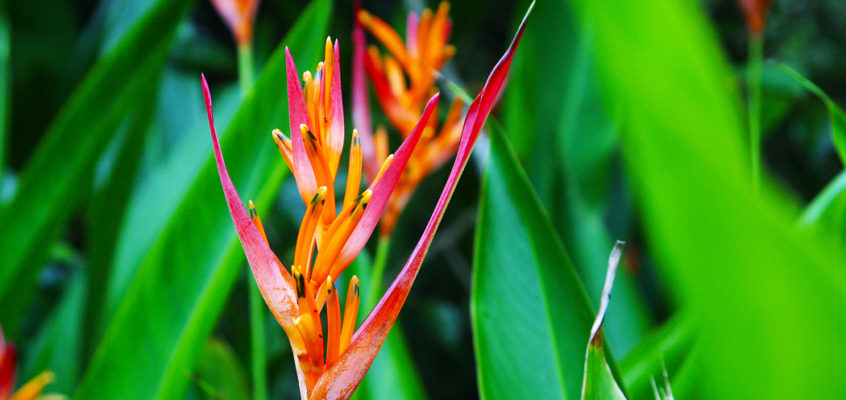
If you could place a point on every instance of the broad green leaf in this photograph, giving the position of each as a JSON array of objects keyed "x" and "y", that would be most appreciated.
[
  {"x": 219, "y": 373},
  {"x": 158, "y": 331},
  {"x": 530, "y": 313},
  {"x": 58, "y": 345},
  {"x": 599, "y": 382},
  {"x": 769, "y": 300},
  {"x": 393, "y": 374},
  {"x": 567, "y": 142},
  {"x": 836, "y": 116},
  {"x": 666, "y": 349},
  {"x": 54, "y": 179}
]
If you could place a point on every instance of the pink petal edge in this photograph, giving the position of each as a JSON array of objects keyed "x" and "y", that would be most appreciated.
[
  {"x": 383, "y": 189},
  {"x": 336, "y": 129},
  {"x": 297, "y": 115},
  {"x": 273, "y": 279},
  {"x": 341, "y": 379}
]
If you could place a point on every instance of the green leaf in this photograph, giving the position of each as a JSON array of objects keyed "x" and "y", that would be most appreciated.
[
  {"x": 58, "y": 345},
  {"x": 836, "y": 116},
  {"x": 599, "y": 382},
  {"x": 107, "y": 207},
  {"x": 568, "y": 142},
  {"x": 530, "y": 313},
  {"x": 769, "y": 299},
  {"x": 54, "y": 179},
  {"x": 219, "y": 374},
  {"x": 158, "y": 331},
  {"x": 829, "y": 207},
  {"x": 666, "y": 349}
]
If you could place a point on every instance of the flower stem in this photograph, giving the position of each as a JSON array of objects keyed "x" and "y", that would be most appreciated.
[
  {"x": 258, "y": 343},
  {"x": 753, "y": 87},
  {"x": 245, "y": 68},
  {"x": 377, "y": 270}
]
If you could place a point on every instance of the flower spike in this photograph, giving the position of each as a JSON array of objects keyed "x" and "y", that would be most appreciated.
[
  {"x": 341, "y": 378},
  {"x": 361, "y": 101},
  {"x": 238, "y": 15}
]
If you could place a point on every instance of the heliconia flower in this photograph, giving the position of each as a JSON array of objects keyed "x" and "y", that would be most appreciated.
[
  {"x": 419, "y": 58},
  {"x": 755, "y": 12},
  {"x": 333, "y": 368},
  {"x": 8, "y": 370},
  {"x": 238, "y": 15}
]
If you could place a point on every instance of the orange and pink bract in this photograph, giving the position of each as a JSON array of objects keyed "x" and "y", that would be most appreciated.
[{"x": 331, "y": 361}]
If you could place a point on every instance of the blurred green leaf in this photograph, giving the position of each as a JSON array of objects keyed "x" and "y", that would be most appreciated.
[
  {"x": 219, "y": 374},
  {"x": 836, "y": 116},
  {"x": 57, "y": 347},
  {"x": 568, "y": 143},
  {"x": 531, "y": 315},
  {"x": 107, "y": 207},
  {"x": 759, "y": 288},
  {"x": 54, "y": 179},
  {"x": 158, "y": 331},
  {"x": 665, "y": 349}
]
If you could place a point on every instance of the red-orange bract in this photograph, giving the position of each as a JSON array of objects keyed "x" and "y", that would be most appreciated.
[{"x": 333, "y": 370}]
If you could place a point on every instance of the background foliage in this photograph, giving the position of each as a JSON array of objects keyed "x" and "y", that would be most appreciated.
[{"x": 121, "y": 273}]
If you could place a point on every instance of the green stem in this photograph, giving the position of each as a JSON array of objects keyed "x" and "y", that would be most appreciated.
[
  {"x": 753, "y": 82},
  {"x": 245, "y": 68},
  {"x": 377, "y": 270},
  {"x": 258, "y": 343}
]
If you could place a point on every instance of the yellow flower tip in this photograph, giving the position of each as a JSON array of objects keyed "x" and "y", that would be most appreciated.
[
  {"x": 320, "y": 194},
  {"x": 307, "y": 76},
  {"x": 444, "y": 7},
  {"x": 365, "y": 196},
  {"x": 449, "y": 51},
  {"x": 252, "y": 206}
]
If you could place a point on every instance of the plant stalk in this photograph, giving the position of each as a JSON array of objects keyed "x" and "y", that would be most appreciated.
[
  {"x": 377, "y": 271},
  {"x": 753, "y": 88}
]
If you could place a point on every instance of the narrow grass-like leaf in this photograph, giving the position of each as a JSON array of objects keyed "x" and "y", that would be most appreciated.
[
  {"x": 54, "y": 179},
  {"x": 836, "y": 116},
  {"x": 530, "y": 313},
  {"x": 770, "y": 300},
  {"x": 149, "y": 348},
  {"x": 599, "y": 382},
  {"x": 829, "y": 207}
]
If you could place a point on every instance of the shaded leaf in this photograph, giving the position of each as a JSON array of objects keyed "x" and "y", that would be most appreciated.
[{"x": 53, "y": 180}]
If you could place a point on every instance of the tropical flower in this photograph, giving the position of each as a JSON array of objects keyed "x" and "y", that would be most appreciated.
[
  {"x": 331, "y": 361},
  {"x": 8, "y": 370},
  {"x": 418, "y": 59},
  {"x": 238, "y": 15}
]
